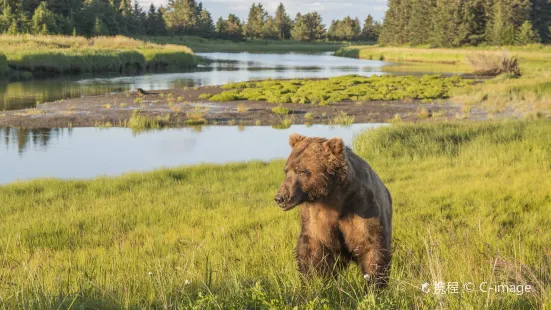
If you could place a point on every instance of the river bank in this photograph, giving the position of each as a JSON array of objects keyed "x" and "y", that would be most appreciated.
[
  {"x": 45, "y": 55},
  {"x": 528, "y": 94},
  {"x": 199, "y": 44},
  {"x": 182, "y": 107},
  {"x": 262, "y": 103}
]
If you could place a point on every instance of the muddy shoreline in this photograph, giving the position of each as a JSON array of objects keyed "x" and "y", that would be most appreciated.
[{"x": 184, "y": 107}]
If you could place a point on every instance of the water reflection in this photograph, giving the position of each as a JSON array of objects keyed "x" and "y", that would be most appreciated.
[
  {"x": 35, "y": 138},
  {"x": 90, "y": 152},
  {"x": 27, "y": 94},
  {"x": 218, "y": 68}
]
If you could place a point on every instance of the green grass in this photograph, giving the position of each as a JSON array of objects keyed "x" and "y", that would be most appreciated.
[
  {"x": 66, "y": 54},
  {"x": 471, "y": 204},
  {"x": 139, "y": 123},
  {"x": 351, "y": 87},
  {"x": 342, "y": 119},
  {"x": 280, "y": 110},
  {"x": 526, "y": 96},
  {"x": 3, "y": 65},
  {"x": 253, "y": 46},
  {"x": 531, "y": 53}
]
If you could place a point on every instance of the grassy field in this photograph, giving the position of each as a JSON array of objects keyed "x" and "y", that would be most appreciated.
[
  {"x": 525, "y": 96},
  {"x": 67, "y": 54},
  {"x": 337, "y": 89},
  {"x": 257, "y": 46},
  {"x": 471, "y": 200}
]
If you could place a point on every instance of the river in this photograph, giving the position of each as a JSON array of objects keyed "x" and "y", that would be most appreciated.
[{"x": 90, "y": 152}]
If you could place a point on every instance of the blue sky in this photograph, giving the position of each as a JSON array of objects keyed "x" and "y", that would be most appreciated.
[{"x": 329, "y": 9}]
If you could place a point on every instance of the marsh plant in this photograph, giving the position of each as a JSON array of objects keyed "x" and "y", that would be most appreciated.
[
  {"x": 196, "y": 116},
  {"x": 242, "y": 108},
  {"x": 338, "y": 89},
  {"x": 491, "y": 64},
  {"x": 342, "y": 119},
  {"x": 139, "y": 123},
  {"x": 281, "y": 110},
  {"x": 285, "y": 122},
  {"x": 422, "y": 112}
]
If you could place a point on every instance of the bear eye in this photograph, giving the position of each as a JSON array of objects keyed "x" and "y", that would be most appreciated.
[{"x": 302, "y": 172}]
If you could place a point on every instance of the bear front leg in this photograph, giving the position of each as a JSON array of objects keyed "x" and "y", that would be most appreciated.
[
  {"x": 375, "y": 265},
  {"x": 314, "y": 258}
]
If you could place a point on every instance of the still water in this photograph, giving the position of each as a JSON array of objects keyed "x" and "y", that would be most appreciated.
[
  {"x": 218, "y": 68},
  {"x": 91, "y": 152}
]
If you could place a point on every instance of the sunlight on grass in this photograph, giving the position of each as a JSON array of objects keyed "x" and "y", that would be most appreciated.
[
  {"x": 471, "y": 202},
  {"x": 70, "y": 54},
  {"x": 338, "y": 89}
]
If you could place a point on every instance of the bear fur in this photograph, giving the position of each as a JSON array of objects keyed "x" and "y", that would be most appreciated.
[{"x": 345, "y": 209}]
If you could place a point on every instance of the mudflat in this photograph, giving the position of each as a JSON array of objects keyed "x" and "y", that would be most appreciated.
[{"x": 182, "y": 107}]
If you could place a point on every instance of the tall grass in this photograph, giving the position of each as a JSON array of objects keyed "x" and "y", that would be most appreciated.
[
  {"x": 525, "y": 96},
  {"x": 494, "y": 65},
  {"x": 272, "y": 46},
  {"x": 66, "y": 54},
  {"x": 471, "y": 204},
  {"x": 535, "y": 53},
  {"x": 140, "y": 123}
]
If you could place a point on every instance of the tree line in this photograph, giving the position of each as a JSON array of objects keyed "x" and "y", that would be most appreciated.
[
  {"x": 179, "y": 17},
  {"x": 453, "y": 23}
]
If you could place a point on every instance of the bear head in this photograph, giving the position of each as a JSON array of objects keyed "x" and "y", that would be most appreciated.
[{"x": 315, "y": 168}]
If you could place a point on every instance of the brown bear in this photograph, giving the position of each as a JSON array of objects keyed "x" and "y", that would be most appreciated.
[{"x": 346, "y": 210}]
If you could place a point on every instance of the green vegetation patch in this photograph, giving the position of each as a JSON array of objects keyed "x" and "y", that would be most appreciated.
[
  {"x": 3, "y": 65},
  {"x": 62, "y": 54},
  {"x": 211, "y": 237},
  {"x": 350, "y": 87}
]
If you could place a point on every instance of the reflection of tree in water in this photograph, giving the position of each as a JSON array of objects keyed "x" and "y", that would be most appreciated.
[
  {"x": 27, "y": 94},
  {"x": 25, "y": 137}
]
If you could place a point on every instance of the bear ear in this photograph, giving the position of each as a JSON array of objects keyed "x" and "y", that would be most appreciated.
[
  {"x": 335, "y": 146},
  {"x": 295, "y": 138}
]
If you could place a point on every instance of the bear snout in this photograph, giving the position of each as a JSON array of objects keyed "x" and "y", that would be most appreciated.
[{"x": 279, "y": 199}]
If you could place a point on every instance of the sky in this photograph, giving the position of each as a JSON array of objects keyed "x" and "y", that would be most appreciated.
[{"x": 328, "y": 9}]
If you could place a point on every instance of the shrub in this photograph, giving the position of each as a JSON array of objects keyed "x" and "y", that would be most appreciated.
[
  {"x": 489, "y": 64},
  {"x": 280, "y": 110},
  {"x": 342, "y": 119},
  {"x": 141, "y": 122},
  {"x": 241, "y": 108}
]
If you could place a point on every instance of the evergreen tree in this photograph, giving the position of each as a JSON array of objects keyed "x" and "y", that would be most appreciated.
[
  {"x": 138, "y": 20},
  {"x": 234, "y": 28},
  {"x": 182, "y": 16},
  {"x": 308, "y": 27},
  {"x": 221, "y": 28},
  {"x": 44, "y": 20},
  {"x": 255, "y": 22},
  {"x": 269, "y": 29},
  {"x": 155, "y": 25},
  {"x": 206, "y": 25},
  {"x": 315, "y": 26},
  {"x": 282, "y": 23},
  {"x": 369, "y": 31},
  {"x": 300, "y": 30},
  {"x": 526, "y": 34},
  {"x": 100, "y": 29}
]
